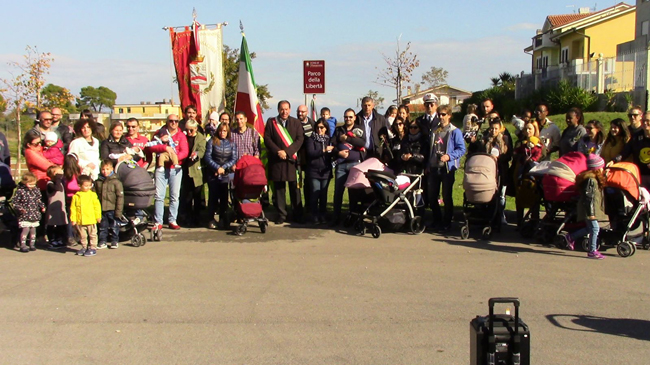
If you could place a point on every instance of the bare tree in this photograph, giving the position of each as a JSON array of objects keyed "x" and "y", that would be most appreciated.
[
  {"x": 26, "y": 87},
  {"x": 399, "y": 69}
]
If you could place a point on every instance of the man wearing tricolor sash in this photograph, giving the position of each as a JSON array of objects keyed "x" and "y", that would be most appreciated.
[{"x": 283, "y": 136}]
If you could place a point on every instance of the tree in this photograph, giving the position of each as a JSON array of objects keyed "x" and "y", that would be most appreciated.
[
  {"x": 231, "y": 71},
  {"x": 96, "y": 98},
  {"x": 55, "y": 96},
  {"x": 379, "y": 100},
  {"x": 436, "y": 76},
  {"x": 25, "y": 87},
  {"x": 399, "y": 69},
  {"x": 3, "y": 103}
]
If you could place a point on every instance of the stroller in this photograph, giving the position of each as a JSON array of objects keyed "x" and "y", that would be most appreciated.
[
  {"x": 560, "y": 197},
  {"x": 626, "y": 209},
  {"x": 481, "y": 197},
  {"x": 397, "y": 199},
  {"x": 249, "y": 185},
  {"x": 360, "y": 192},
  {"x": 139, "y": 191},
  {"x": 7, "y": 213}
]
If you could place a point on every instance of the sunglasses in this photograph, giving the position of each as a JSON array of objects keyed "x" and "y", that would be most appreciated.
[
  {"x": 348, "y": 117},
  {"x": 173, "y": 120},
  {"x": 398, "y": 124},
  {"x": 44, "y": 119},
  {"x": 132, "y": 126},
  {"x": 414, "y": 127},
  {"x": 633, "y": 115},
  {"x": 443, "y": 114}
]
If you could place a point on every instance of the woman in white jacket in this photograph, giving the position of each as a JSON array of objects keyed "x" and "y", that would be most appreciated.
[{"x": 86, "y": 147}]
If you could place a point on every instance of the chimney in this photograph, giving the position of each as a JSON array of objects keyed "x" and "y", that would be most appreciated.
[
  {"x": 417, "y": 88},
  {"x": 408, "y": 90},
  {"x": 583, "y": 11},
  {"x": 142, "y": 103}
]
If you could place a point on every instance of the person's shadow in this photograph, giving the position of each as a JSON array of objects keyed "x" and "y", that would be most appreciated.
[{"x": 624, "y": 327}]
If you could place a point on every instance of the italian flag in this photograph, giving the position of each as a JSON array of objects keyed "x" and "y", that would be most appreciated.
[{"x": 246, "y": 100}]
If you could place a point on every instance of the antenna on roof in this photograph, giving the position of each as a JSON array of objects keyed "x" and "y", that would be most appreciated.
[
  {"x": 572, "y": 6},
  {"x": 595, "y": 7}
]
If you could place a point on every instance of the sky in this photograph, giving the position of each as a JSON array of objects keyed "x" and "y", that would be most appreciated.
[{"x": 121, "y": 44}]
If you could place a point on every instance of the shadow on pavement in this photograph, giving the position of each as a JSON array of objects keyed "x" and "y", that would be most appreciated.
[{"x": 624, "y": 327}]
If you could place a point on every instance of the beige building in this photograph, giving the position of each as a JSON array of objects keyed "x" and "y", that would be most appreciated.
[
  {"x": 636, "y": 52},
  {"x": 151, "y": 116},
  {"x": 446, "y": 94}
]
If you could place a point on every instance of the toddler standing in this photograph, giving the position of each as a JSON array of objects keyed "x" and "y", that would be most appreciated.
[
  {"x": 28, "y": 203},
  {"x": 85, "y": 213},
  {"x": 111, "y": 196},
  {"x": 55, "y": 213}
]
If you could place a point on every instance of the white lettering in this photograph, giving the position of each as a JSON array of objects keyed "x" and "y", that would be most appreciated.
[{"x": 311, "y": 73}]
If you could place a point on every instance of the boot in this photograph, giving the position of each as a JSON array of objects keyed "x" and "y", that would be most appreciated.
[
  {"x": 32, "y": 245},
  {"x": 23, "y": 246}
]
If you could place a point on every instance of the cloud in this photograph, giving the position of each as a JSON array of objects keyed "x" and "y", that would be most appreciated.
[{"x": 522, "y": 26}]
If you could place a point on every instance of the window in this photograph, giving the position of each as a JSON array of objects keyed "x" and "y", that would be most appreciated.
[
  {"x": 538, "y": 62},
  {"x": 564, "y": 55},
  {"x": 121, "y": 110},
  {"x": 142, "y": 110},
  {"x": 644, "y": 27},
  {"x": 128, "y": 110},
  {"x": 166, "y": 111}
]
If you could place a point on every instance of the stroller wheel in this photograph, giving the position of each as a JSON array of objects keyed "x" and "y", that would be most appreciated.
[
  {"x": 585, "y": 244},
  {"x": 416, "y": 225},
  {"x": 360, "y": 227},
  {"x": 487, "y": 233},
  {"x": 464, "y": 232},
  {"x": 263, "y": 226},
  {"x": 136, "y": 240},
  {"x": 625, "y": 249},
  {"x": 376, "y": 231},
  {"x": 143, "y": 238}
]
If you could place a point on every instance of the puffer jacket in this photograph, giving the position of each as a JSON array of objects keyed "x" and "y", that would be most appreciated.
[
  {"x": 111, "y": 146},
  {"x": 110, "y": 193},
  {"x": 223, "y": 155},
  {"x": 591, "y": 203}
]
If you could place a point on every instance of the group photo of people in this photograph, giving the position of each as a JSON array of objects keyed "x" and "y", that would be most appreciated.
[{"x": 86, "y": 183}]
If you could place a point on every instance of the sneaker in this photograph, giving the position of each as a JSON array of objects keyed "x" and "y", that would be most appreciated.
[
  {"x": 595, "y": 255},
  {"x": 114, "y": 245},
  {"x": 90, "y": 252},
  {"x": 24, "y": 249},
  {"x": 570, "y": 243},
  {"x": 81, "y": 252},
  {"x": 102, "y": 245},
  {"x": 56, "y": 245},
  {"x": 174, "y": 226}
]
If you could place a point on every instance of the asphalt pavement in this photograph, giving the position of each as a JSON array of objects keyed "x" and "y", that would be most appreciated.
[{"x": 299, "y": 295}]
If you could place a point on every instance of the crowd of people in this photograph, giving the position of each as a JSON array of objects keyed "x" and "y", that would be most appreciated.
[{"x": 71, "y": 189}]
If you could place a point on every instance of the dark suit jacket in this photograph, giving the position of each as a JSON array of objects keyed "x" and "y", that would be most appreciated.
[
  {"x": 378, "y": 127},
  {"x": 283, "y": 170}
]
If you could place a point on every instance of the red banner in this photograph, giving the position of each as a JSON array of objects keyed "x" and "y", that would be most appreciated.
[
  {"x": 313, "y": 77},
  {"x": 184, "y": 51}
]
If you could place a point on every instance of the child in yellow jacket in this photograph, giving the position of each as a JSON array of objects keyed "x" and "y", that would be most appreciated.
[{"x": 85, "y": 213}]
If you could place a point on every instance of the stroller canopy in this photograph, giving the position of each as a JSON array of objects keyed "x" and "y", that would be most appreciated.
[
  {"x": 357, "y": 178},
  {"x": 559, "y": 183},
  {"x": 249, "y": 171},
  {"x": 481, "y": 178},
  {"x": 624, "y": 176}
]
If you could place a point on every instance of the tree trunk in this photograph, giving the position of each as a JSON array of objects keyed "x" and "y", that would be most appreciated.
[{"x": 18, "y": 147}]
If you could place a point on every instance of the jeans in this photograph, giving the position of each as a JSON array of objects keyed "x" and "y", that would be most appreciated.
[
  {"x": 172, "y": 177},
  {"x": 592, "y": 230},
  {"x": 342, "y": 172},
  {"x": 108, "y": 228},
  {"x": 318, "y": 196},
  {"x": 438, "y": 177}
]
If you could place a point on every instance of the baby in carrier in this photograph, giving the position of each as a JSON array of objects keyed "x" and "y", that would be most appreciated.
[{"x": 343, "y": 146}]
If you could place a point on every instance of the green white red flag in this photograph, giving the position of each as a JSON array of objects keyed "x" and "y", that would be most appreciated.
[{"x": 246, "y": 100}]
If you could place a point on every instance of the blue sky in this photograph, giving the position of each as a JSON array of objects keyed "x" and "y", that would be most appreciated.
[{"x": 121, "y": 44}]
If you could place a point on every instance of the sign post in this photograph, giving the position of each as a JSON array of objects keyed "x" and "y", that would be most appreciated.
[{"x": 314, "y": 77}]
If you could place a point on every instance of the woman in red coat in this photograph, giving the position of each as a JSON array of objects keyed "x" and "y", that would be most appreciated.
[{"x": 36, "y": 162}]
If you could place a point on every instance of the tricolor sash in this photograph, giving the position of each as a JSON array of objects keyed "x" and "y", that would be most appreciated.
[{"x": 284, "y": 135}]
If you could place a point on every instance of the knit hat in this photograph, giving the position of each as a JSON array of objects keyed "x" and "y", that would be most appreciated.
[
  {"x": 595, "y": 162},
  {"x": 51, "y": 136},
  {"x": 214, "y": 115},
  {"x": 534, "y": 140}
]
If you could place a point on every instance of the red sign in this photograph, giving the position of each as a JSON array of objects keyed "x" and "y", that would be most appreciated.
[{"x": 314, "y": 77}]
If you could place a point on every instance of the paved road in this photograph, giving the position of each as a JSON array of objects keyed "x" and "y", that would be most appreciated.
[{"x": 308, "y": 296}]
